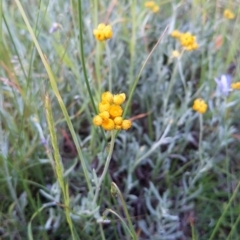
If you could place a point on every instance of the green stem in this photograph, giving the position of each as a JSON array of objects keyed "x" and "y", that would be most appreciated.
[
  {"x": 200, "y": 138},
  {"x": 99, "y": 183},
  {"x": 82, "y": 55},
  {"x": 115, "y": 187}
]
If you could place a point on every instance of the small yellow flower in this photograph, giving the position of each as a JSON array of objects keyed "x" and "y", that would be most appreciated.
[
  {"x": 115, "y": 111},
  {"x": 155, "y": 9},
  {"x": 107, "y": 97},
  {"x": 228, "y": 14},
  {"x": 108, "y": 32},
  {"x": 176, "y": 34},
  {"x": 235, "y": 86},
  {"x": 118, "y": 120},
  {"x": 103, "y": 106},
  {"x": 119, "y": 98},
  {"x": 108, "y": 124},
  {"x": 103, "y": 32},
  {"x": 99, "y": 35},
  {"x": 104, "y": 114},
  {"x": 200, "y": 106},
  {"x": 149, "y": 4},
  {"x": 175, "y": 53},
  {"x": 152, "y": 6},
  {"x": 126, "y": 124},
  {"x": 188, "y": 41},
  {"x": 97, "y": 120}
]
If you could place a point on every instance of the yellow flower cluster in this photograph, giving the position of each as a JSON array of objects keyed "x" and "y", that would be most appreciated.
[
  {"x": 228, "y": 14},
  {"x": 187, "y": 40},
  {"x": 103, "y": 32},
  {"x": 152, "y": 6},
  {"x": 110, "y": 112},
  {"x": 200, "y": 106},
  {"x": 235, "y": 86}
]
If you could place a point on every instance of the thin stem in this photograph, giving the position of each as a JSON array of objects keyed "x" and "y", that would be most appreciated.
[
  {"x": 105, "y": 167},
  {"x": 125, "y": 210},
  {"x": 200, "y": 138},
  {"x": 82, "y": 55}
]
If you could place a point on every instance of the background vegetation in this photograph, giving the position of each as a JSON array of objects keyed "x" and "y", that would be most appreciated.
[{"x": 175, "y": 173}]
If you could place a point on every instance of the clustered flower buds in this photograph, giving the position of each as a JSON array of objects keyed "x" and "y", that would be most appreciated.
[
  {"x": 187, "y": 40},
  {"x": 228, "y": 14},
  {"x": 103, "y": 32},
  {"x": 200, "y": 106},
  {"x": 110, "y": 112},
  {"x": 152, "y": 6}
]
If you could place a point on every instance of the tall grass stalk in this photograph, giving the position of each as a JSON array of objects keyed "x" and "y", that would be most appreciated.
[
  {"x": 59, "y": 171},
  {"x": 53, "y": 83}
]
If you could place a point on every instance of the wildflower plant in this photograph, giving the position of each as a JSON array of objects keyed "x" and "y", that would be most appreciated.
[{"x": 62, "y": 178}]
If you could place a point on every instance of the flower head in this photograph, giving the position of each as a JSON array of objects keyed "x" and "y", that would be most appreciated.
[
  {"x": 236, "y": 86},
  {"x": 115, "y": 111},
  {"x": 200, "y": 106},
  {"x": 224, "y": 84},
  {"x": 152, "y": 6},
  {"x": 176, "y": 34},
  {"x": 110, "y": 112},
  {"x": 228, "y": 14},
  {"x": 119, "y": 98},
  {"x": 103, "y": 32},
  {"x": 188, "y": 41}
]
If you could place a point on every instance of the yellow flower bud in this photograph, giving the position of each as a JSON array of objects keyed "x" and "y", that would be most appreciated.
[
  {"x": 115, "y": 111},
  {"x": 97, "y": 120},
  {"x": 108, "y": 124},
  {"x": 119, "y": 98},
  {"x": 107, "y": 31},
  {"x": 99, "y": 35},
  {"x": 103, "y": 106},
  {"x": 149, "y": 4},
  {"x": 104, "y": 115},
  {"x": 118, "y": 120},
  {"x": 101, "y": 26},
  {"x": 107, "y": 97},
  {"x": 126, "y": 124}
]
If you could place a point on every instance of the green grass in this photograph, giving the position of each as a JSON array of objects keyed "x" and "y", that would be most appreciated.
[{"x": 173, "y": 175}]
